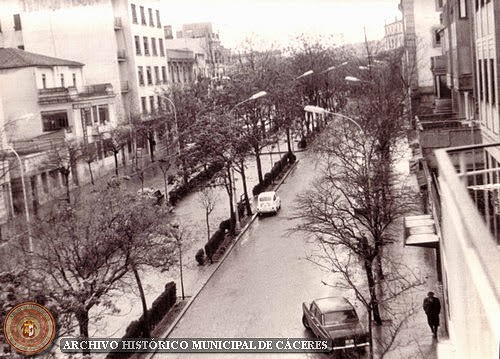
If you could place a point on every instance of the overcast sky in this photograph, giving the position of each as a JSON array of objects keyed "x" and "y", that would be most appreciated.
[{"x": 277, "y": 21}]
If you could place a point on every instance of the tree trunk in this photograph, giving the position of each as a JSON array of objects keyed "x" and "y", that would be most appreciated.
[
  {"x": 373, "y": 295},
  {"x": 370, "y": 332},
  {"x": 151, "y": 141},
  {"x": 82, "y": 316},
  {"x": 115, "y": 155},
  {"x": 145, "y": 323},
  {"x": 66, "y": 184},
  {"x": 288, "y": 140},
  {"x": 91, "y": 174},
  {"x": 259, "y": 164},
  {"x": 229, "y": 189},
  {"x": 245, "y": 190},
  {"x": 207, "y": 216}
]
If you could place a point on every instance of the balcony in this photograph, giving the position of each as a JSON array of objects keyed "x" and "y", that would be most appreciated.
[
  {"x": 124, "y": 86},
  {"x": 96, "y": 90},
  {"x": 118, "y": 23},
  {"x": 70, "y": 94},
  {"x": 121, "y": 55},
  {"x": 438, "y": 65},
  {"x": 470, "y": 213}
]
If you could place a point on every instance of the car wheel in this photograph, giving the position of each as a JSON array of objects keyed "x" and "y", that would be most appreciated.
[{"x": 304, "y": 321}]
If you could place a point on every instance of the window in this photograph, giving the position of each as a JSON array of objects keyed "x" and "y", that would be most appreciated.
[
  {"x": 153, "y": 46},
  {"x": 143, "y": 16},
  {"x": 480, "y": 79},
  {"x": 140, "y": 75},
  {"x": 160, "y": 44},
  {"x": 157, "y": 75},
  {"x": 146, "y": 45},
  {"x": 62, "y": 80},
  {"x": 103, "y": 114},
  {"x": 17, "y": 22},
  {"x": 439, "y": 4},
  {"x": 462, "y": 9},
  {"x": 436, "y": 37},
  {"x": 148, "y": 75},
  {"x": 151, "y": 21},
  {"x": 54, "y": 175},
  {"x": 21, "y": 47},
  {"x": 134, "y": 13},
  {"x": 86, "y": 116},
  {"x": 45, "y": 184},
  {"x": 164, "y": 74},
  {"x": 151, "y": 104},
  {"x": 137, "y": 45},
  {"x": 53, "y": 121},
  {"x": 486, "y": 81},
  {"x": 44, "y": 81},
  {"x": 144, "y": 105},
  {"x": 493, "y": 82},
  {"x": 73, "y": 75},
  {"x": 158, "y": 22}
]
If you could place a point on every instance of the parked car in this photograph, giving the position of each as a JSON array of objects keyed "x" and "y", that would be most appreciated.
[
  {"x": 268, "y": 202},
  {"x": 335, "y": 318},
  {"x": 156, "y": 196}
]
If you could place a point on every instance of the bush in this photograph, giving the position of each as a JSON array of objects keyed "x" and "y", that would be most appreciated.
[
  {"x": 162, "y": 304},
  {"x": 214, "y": 243},
  {"x": 291, "y": 158},
  {"x": 257, "y": 189},
  {"x": 284, "y": 161},
  {"x": 225, "y": 225},
  {"x": 267, "y": 179},
  {"x": 200, "y": 257},
  {"x": 302, "y": 143}
]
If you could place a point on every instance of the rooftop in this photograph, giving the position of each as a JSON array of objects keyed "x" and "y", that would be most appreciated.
[
  {"x": 333, "y": 304},
  {"x": 11, "y": 58}
]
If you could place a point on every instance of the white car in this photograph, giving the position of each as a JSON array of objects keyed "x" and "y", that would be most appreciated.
[{"x": 268, "y": 202}]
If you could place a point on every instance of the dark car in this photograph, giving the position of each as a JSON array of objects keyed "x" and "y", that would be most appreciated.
[{"x": 335, "y": 318}]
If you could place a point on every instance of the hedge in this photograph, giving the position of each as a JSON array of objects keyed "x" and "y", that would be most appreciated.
[{"x": 214, "y": 243}]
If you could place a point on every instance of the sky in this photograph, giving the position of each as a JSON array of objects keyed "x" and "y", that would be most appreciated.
[{"x": 276, "y": 22}]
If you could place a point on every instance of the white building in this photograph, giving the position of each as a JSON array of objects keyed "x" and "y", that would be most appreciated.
[{"x": 393, "y": 35}]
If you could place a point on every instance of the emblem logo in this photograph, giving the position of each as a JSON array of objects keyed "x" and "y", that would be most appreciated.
[{"x": 29, "y": 328}]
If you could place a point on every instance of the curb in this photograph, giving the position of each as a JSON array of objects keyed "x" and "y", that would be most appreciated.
[{"x": 238, "y": 237}]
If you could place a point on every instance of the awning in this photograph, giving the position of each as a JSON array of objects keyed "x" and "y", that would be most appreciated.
[{"x": 420, "y": 231}]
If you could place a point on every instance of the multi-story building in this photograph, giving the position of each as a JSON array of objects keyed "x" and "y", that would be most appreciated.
[
  {"x": 463, "y": 184},
  {"x": 422, "y": 40},
  {"x": 393, "y": 35},
  {"x": 45, "y": 102},
  {"x": 206, "y": 46},
  {"x": 181, "y": 65},
  {"x": 120, "y": 42}
]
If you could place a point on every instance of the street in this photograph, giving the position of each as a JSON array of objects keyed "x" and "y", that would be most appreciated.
[{"x": 259, "y": 289}]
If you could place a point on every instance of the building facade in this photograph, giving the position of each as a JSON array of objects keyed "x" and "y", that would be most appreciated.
[
  {"x": 393, "y": 35},
  {"x": 459, "y": 143}
]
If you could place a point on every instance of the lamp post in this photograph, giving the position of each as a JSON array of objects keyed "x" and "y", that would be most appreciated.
[
  {"x": 233, "y": 180},
  {"x": 175, "y": 121},
  {"x": 25, "y": 197}
]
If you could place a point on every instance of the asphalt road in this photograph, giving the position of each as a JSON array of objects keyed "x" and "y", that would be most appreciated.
[{"x": 259, "y": 289}]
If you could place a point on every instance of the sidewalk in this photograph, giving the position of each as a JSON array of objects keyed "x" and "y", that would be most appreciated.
[{"x": 414, "y": 339}]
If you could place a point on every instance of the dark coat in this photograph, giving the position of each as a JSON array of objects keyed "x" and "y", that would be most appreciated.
[{"x": 432, "y": 307}]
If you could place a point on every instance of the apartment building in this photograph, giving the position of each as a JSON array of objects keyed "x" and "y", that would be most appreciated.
[
  {"x": 45, "y": 102},
  {"x": 120, "y": 42},
  {"x": 181, "y": 65},
  {"x": 393, "y": 35},
  {"x": 211, "y": 58},
  {"x": 461, "y": 175},
  {"x": 422, "y": 40}
]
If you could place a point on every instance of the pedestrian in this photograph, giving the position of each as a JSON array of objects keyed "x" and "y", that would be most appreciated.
[{"x": 432, "y": 308}]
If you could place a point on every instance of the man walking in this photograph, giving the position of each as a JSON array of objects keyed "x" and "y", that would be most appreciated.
[{"x": 432, "y": 308}]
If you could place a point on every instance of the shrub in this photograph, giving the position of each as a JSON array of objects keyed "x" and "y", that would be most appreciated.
[
  {"x": 302, "y": 143},
  {"x": 267, "y": 179},
  {"x": 225, "y": 225},
  {"x": 257, "y": 189},
  {"x": 214, "y": 243},
  {"x": 284, "y": 161},
  {"x": 291, "y": 158},
  {"x": 200, "y": 257}
]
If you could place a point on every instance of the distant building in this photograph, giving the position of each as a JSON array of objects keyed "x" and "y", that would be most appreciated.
[
  {"x": 393, "y": 35},
  {"x": 180, "y": 65},
  {"x": 206, "y": 46}
]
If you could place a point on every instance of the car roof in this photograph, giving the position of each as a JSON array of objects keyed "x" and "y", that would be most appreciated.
[
  {"x": 269, "y": 193},
  {"x": 333, "y": 304}
]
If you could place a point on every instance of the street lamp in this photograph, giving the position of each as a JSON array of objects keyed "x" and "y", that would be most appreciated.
[
  {"x": 175, "y": 121},
  {"x": 356, "y": 80},
  {"x": 25, "y": 197},
  {"x": 233, "y": 180},
  {"x": 322, "y": 111},
  {"x": 307, "y": 73}
]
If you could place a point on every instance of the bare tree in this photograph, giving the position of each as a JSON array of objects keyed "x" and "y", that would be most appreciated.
[{"x": 207, "y": 197}]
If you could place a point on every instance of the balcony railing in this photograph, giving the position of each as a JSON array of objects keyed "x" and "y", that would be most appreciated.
[
  {"x": 96, "y": 90},
  {"x": 469, "y": 184}
]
